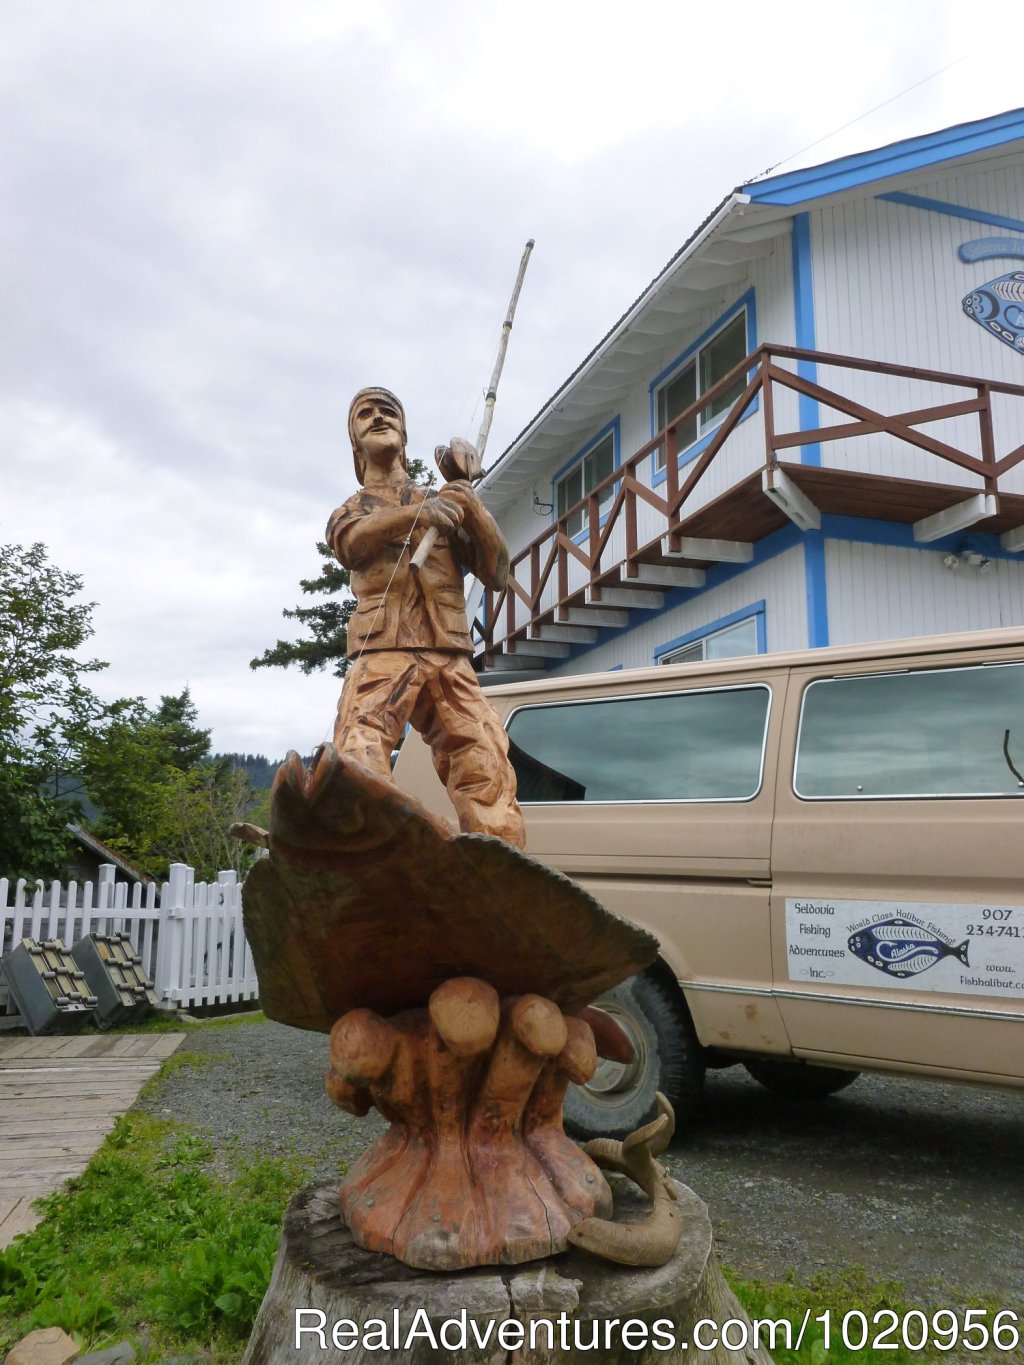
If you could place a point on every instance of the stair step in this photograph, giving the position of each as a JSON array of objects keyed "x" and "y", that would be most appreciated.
[
  {"x": 607, "y": 618},
  {"x": 543, "y": 649},
  {"x": 646, "y": 598},
  {"x": 572, "y": 635},
  {"x": 668, "y": 576},
  {"x": 694, "y": 547}
]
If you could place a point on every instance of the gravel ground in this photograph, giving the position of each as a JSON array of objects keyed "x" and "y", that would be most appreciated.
[{"x": 917, "y": 1181}]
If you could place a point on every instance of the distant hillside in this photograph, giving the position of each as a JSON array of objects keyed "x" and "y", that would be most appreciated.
[{"x": 261, "y": 770}]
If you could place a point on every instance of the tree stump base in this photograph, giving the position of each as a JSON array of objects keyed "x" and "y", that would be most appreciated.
[{"x": 382, "y": 1310}]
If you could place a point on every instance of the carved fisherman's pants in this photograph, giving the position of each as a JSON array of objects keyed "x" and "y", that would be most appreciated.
[{"x": 439, "y": 695}]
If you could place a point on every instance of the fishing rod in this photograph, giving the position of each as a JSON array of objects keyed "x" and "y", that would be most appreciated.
[{"x": 457, "y": 461}]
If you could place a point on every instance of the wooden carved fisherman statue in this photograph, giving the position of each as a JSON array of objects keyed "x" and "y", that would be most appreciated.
[
  {"x": 453, "y": 972},
  {"x": 409, "y": 637}
]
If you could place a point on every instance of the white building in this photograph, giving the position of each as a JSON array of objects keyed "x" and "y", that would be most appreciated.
[{"x": 807, "y": 430}]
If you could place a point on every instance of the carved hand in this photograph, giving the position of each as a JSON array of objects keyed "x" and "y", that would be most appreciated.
[
  {"x": 443, "y": 512},
  {"x": 476, "y": 1167}
]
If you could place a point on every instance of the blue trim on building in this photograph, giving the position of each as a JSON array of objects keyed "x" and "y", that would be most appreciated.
[
  {"x": 816, "y": 587},
  {"x": 815, "y": 581},
  {"x": 898, "y": 158},
  {"x": 915, "y": 201},
  {"x": 755, "y": 610},
  {"x": 806, "y": 330},
  {"x": 691, "y": 452},
  {"x": 615, "y": 428},
  {"x": 900, "y": 535}
]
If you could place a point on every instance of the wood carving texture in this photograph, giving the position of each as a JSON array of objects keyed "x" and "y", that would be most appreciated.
[
  {"x": 451, "y": 972},
  {"x": 369, "y": 901},
  {"x": 475, "y": 1168}
]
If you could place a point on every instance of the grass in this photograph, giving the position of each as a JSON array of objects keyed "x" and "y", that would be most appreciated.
[
  {"x": 161, "y": 1021},
  {"x": 147, "y": 1246},
  {"x": 884, "y": 1305}
]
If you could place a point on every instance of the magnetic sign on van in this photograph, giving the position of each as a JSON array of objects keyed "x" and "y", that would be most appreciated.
[{"x": 959, "y": 949}]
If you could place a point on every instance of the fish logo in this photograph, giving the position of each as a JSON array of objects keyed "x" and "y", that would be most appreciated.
[
  {"x": 903, "y": 949},
  {"x": 998, "y": 306}
]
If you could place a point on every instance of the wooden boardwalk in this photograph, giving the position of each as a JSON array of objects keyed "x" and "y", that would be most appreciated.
[{"x": 59, "y": 1097}]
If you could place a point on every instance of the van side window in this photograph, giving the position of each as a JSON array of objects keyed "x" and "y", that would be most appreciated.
[
  {"x": 664, "y": 746},
  {"x": 946, "y": 732}
]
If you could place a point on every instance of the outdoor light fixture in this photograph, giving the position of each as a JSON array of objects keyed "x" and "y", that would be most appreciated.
[
  {"x": 971, "y": 557},
  {"x": 541, "y": 508}
]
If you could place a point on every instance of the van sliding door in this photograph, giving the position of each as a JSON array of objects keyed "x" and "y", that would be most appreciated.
[{"x": 898, "y": 867}]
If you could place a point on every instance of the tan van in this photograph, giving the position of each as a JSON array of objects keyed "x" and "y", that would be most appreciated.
[{"x": 829, "y": 846}]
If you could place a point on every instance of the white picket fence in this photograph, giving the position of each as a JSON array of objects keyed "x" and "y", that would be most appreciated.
[{"x": 189, "y": 936}]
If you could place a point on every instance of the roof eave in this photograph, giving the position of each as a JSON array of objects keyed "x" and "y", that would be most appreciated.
[{"x": 683, "y": 257}]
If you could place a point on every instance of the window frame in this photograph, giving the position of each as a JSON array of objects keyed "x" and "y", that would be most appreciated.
[
  {"x": 896, "y": 796},
  {"x": 745, "y": 304},
  {"x": 610, "y": 429},
  {"x": 760, "y": 685},
  {"x": 755, "y": 611}
]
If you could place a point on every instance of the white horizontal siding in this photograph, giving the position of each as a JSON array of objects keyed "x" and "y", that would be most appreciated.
[{"x": 882, "y": 592}]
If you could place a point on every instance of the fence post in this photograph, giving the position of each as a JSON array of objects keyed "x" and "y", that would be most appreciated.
[
  {"x": 171, "y": 957},
  {"x": 105, "y": 895}
]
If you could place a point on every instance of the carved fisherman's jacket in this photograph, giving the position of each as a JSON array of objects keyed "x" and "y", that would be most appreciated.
[{"x": 398, "y": 608}]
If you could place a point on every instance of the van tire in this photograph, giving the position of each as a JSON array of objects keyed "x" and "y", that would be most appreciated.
[
  {"x": 620, "y": 1099},
  {"x": 798, "y": 1081}
]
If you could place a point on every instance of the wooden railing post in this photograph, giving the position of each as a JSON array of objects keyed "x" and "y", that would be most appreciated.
[
  {"x": 988, "y": 440},
  {"x": 672, "y": 478},
  {"x": 768, "y": 408},
  {"x": 487, "y": 606}
]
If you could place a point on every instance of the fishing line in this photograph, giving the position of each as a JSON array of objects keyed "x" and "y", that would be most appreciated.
[{"x": 406, "y": 544}]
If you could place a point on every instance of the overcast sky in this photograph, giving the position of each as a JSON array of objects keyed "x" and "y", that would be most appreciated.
[{"x": 220, "y": 219}]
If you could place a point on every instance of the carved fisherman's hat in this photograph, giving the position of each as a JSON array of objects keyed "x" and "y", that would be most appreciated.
[{"x": 361, "y": 397}]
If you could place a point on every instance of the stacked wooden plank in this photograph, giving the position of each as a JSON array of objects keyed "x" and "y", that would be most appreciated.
[{"x": 59, "y": 1097}]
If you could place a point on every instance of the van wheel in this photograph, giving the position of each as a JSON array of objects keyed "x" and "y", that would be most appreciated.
[
  {"x": 798, "y": 1081},
  {"x": 620, "y": 1097}
]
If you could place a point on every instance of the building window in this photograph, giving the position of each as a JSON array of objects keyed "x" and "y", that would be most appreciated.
[
  {"x": 701, "y": 371},
  {"x": 585, "y": 473},
  {"x": 669, "y": 746},
  {"x": 945, "y": 732},
  {"x": 728, "y": 638}
]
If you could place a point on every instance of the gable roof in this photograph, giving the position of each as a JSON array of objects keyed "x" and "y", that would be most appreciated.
[
  {"x": 742, "y": 227},
  {"x": 99, "y": 849}
]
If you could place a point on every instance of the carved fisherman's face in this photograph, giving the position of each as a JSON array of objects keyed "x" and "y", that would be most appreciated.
[{"x": 376, "y": 427}]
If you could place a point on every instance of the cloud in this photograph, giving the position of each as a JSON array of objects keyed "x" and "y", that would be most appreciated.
[{"x": 220, "y": 220}]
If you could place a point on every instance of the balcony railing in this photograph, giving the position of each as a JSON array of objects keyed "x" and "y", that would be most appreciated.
[{"x": 548, "y": 604}]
